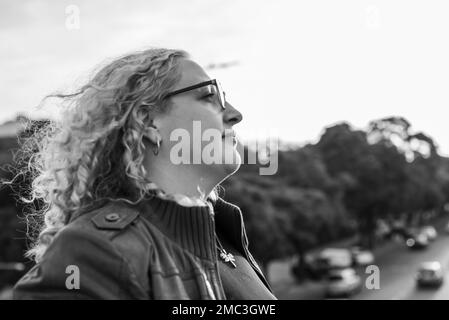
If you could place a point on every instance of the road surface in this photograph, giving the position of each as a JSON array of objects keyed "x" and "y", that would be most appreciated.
[
  {"x": 398, "y": 266},
  {"x": 397, "y": 269}
]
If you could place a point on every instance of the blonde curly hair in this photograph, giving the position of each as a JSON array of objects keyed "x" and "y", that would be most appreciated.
[{"x": 95, "y": 152}]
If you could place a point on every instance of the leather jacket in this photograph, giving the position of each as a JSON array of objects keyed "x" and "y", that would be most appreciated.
[{"x": 155, "y": 250}]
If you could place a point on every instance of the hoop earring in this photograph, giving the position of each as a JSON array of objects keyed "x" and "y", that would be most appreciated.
[{"x": 156, "y": 150}]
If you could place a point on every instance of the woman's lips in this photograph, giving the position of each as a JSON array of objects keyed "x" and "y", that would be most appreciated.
[
  {"x": 228, "y": 132},
  {"x": 230, "y": 137}
]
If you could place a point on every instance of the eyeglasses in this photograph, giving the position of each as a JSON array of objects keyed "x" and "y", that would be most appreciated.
[{"x": 221, "y": 93}]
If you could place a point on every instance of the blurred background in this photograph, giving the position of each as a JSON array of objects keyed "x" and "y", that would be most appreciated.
[{"x": 354, "y": 90}]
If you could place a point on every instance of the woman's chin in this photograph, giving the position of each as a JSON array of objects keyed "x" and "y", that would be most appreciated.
[{"x": 232, "y": 166}]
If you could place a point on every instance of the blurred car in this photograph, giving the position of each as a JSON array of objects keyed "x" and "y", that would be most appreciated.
[
  {"x": 417, "y": 241},
  {"x": 430, "y": 231},
  {"x": 430, "y": 274},
  {"x": 361, "y": 257},
  {"x": 336, "y": 257},
  {"x": 343, "y": 282},
  {"x": 317, "y": 267},
  {"x": 317, "y": 264}
]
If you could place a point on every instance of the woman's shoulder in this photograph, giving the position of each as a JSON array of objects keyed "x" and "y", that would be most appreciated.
[
  {"x": 109, "y": 216},
  {"x": 114, "y": 229},
  {"x": 104, "y": 246},
  {"x": 114, "y": 224}
]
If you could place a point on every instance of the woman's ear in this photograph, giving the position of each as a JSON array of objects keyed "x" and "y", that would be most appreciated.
[{"x": 153, "y": 135}]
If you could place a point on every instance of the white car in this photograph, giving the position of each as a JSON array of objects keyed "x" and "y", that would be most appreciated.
[
  {"x": 430, "y": 274},
  {"x": 430, "y": 231},
  {"x": 362, "y": 257},
  {"x": 343, "y": 282},
  {"x": 337, "y": 257}
]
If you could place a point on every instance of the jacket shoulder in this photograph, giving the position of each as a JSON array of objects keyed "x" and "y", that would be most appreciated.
[
  {"x": 110, "y": 216},
  {"x": 73, "y": 267},
  {"x": 120, "y": 225},
  {"x": 98, "y": 238}
]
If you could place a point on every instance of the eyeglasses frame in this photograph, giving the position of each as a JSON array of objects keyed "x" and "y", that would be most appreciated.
[{"x": 215, "y": 82}]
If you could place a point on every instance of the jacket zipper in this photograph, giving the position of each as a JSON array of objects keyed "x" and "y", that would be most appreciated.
[{"x": 218, "y": 284}]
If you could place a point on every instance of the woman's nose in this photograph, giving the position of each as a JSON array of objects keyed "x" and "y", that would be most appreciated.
[{"x": 232, "y": 115}]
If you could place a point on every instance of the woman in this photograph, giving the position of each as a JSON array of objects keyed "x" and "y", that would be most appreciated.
[{"x": 129, "y": 211}]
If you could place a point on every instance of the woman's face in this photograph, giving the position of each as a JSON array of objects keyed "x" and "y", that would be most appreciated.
[{"x": 197, "y": 130}]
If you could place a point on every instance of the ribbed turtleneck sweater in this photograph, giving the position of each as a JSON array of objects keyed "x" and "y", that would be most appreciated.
[{"x": 192, "y": 227}]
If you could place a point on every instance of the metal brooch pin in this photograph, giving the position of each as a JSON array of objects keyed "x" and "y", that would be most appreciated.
[
  {"x": 225, "y": 256},
  {"x": 228, "y": 257}
]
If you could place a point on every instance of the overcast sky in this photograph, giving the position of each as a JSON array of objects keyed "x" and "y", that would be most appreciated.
[{"x": 301, "y": 65}]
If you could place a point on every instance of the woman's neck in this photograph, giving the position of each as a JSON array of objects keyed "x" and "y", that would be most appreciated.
[{"x": 187, "y": 180}]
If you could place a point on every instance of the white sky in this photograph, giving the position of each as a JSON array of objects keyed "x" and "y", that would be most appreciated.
[{"x": 302, "y": 65}]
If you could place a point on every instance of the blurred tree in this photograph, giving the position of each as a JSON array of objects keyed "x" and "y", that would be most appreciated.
[
  {"x": 398, "y": 132},
  {"x": 426, "y": 172},
  {"x": 375, "y": 175},
  {"x": 293, "y": 211},
  {"x": 263, "y": 222}
]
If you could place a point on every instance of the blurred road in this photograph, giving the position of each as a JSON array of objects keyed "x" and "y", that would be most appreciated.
[{"x": 398, "y": 266}]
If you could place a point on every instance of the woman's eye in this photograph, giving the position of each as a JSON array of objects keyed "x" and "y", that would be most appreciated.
[{"x": 208, "y": 96}]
